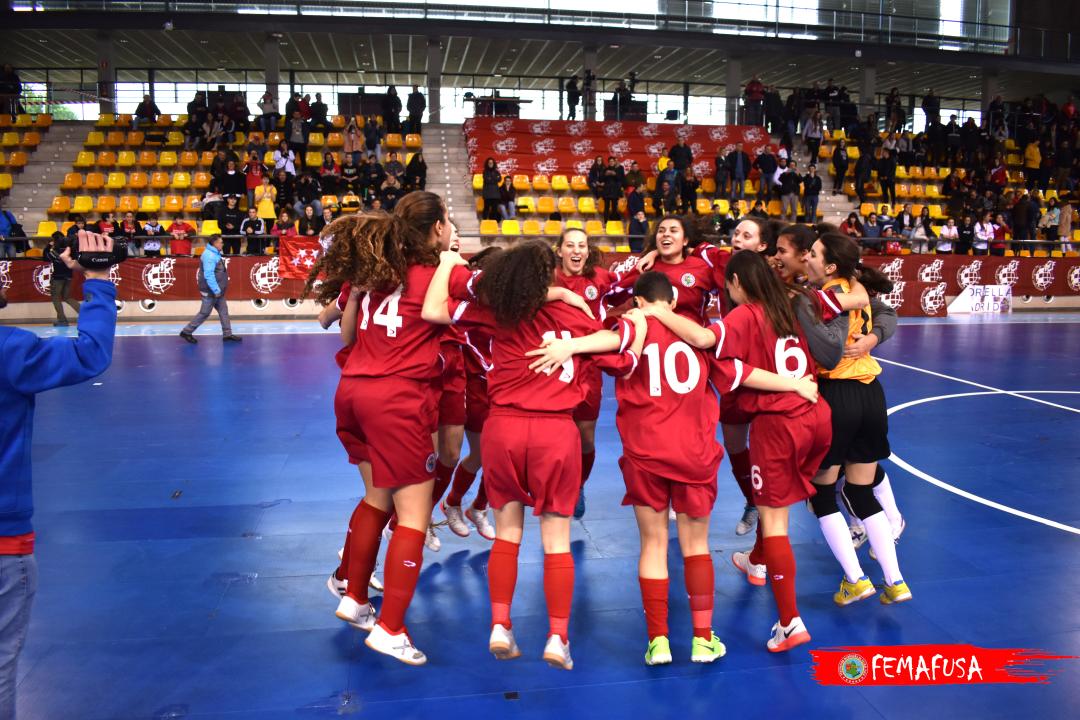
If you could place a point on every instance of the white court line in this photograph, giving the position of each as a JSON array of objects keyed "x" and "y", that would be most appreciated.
[
  {"x": 992, "y": 389},
  {"x": 964, "y": 493}
]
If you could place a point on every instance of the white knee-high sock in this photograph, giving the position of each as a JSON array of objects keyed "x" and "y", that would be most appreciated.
[
  {"x": 880, "y": 534},
  {"x": 838, "y": 537},
  {"x": 884, "y": 494}
]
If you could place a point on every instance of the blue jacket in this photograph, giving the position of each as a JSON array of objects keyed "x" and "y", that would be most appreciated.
[
  {"x": 213, "y": 271},
  {"x": 29, "y": 365}
]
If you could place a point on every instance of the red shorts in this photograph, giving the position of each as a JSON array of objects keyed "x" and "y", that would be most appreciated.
[
  {"x": 452, "y": 387},
  {"x": 589, "y": 409},
  {"x": 389, "y": 422},
  {"x": 647, "y": 489},
  {"x": 785, "y": 454},
  {"x": 532, "y": 458},
  {"x": 476, "y": 402}
]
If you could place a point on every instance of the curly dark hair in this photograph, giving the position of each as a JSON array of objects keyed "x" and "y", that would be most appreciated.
[
  {"x": 842, "y": 251},
  {"x": 515, "y": 282},
  {"x": 689, "y": 232},
  {"x": 595, "y": 257},
  {"x": 483, "y": 258}
]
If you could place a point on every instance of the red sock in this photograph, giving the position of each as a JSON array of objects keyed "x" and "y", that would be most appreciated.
[
  {"x": 654, "y": 596},
  {"x": 757, "y": 554},
  {"x": 502, "y": 578},
  {"x": 780, "y": 563},
  {"x": 480, "y": 501},
  {"x": 587, "y": 460},
  {"x": 740, "y": 468},
  {"x": 463, "y": 480},
  {"x": 404, "y": 558},
  {"x": 442, "y": 481},
  {"x": 559, "y": 592},
  {"x": 342, "y": 572},
  {"x": 365, "y": 533},
  {"x": 699, "y": 586}
]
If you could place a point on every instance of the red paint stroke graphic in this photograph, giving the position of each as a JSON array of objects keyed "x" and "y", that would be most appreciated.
[{"x": 931, "y": 665}]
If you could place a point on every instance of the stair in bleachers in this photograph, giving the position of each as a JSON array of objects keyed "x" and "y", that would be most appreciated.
[{"x": 31, "y": 168}]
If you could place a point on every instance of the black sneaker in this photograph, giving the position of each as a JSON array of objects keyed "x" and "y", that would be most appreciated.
[
  {"x": 232, "y": 338},
  {"x": 188, "y": 337},
  {"x": 61, "y": 323}
]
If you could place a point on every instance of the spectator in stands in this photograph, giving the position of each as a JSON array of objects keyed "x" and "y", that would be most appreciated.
[
  {"x": 633, "y": 177},
  {"x": 622, "y": 97},
  {"x": 372, "y": 176},
  {"x": 766, "y": 165},
  {"x": 181, "y": 232},
  {"x": 296, "y": 133},
  {"x": 871, "y": 234},
  {"x": 840, "y": 166},
  {"x": 310, "y": 224},
  {"x": 239, "y": 112},
  {"x": 490, "y": 193},
  {"x": 264, "y": 198},
  {"x": 9, "y": 247},
  {"x": 197, "y": 106},
  {"x": 318, "y": 119},
  {"x": 905, "y": 222},
  {"x": 416, "y": 172},
  {"x": 864, "y": 166},
  {"x": 790, "y": 180},
  {"x": 851, "y": 226},
  {"x": 257, "y": 144},
  {"x": 304, "y": 106},
  {"x": 688, "y": 185},
  {"x": 329, "y": 173},
  {"x": 681, "y": 156},
  {"x": 193, "y": 133},
  {"x": 613, "y": 180},
  {"x": 146, "y": 113},
  {"x": 813, "y": 133},
  {"x": 666, "y": 173},
  {"x": 1049, "y": 221},
  {"x": 885, "y": 219},
  {"x": 229, "y": 220},
  {"x": 212, "y": 203},
  {"x": 923, "y": 233},
  {"x": 886, "y": 169},
  {"x": 354, "y": 141},
  {"x": 595, "y": 178},
  {"x": 268, "y": 106},
  {"x": 393, "y": 166},
  {"x": 253, "y": 228},
  {"x": 639, "y": 228},
  {"x": 391, "y": 110},
  {"x": 507, "y": 199},
  {"x": 221, "y": 160},
  {"x": 965, "y": 234},
  {"x": 948, "y": 238},
  {"x": 373, "y": 135},
  {"x": 284, "y": 227},
  {"x": 759, "y": 210},
  {"x": 60, "y": 281},
  {"x": 285, "y": 158},
  {"x": 254, "y": 173},
  {"x": 573, "y": 97},
  {"x": 351, "y": 180},
  {"x": 1065, "y": 224},
  {"x": 106, "y": 225},
  {"x": 664, "y": 198},
  {"x": 728, "y": 222},
  {"x": 1024, "y": 218},
  {"x": 1001, "y": 230},
  {"x": 392, "y": 192},
  {"x": 811, "y": 184},
  {"x": 129, "y": 231},
  {"x": 755, "y": 96},
  {"x": 285, "y": 197},
  {"x": 416, "y": 105},
  {"x": 308, "y": 192},
  {"x": 721, "y": 174},
  {"x": 328, "y": 214},
  {"x": 931, "y": 107},
  {"x": 153, "y": 236},
  {"x": 73, "y": 231},
  {"x": 10, "y": 92},
  {"x": 292, "y": 106},
  {"x": 231, "y": 182},
  {"x": 739, "y": 166},
  {"x": 635, "y": 199}
]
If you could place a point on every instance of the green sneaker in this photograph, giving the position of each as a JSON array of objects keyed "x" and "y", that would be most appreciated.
[
  {"x": 705, "y": 651},
  {"x": 659, "y": 652}
]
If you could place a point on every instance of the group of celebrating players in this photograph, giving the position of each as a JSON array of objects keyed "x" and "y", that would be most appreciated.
[{"x": 508, "y": 349}]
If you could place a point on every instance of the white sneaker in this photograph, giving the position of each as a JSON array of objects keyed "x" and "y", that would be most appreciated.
[
  {"x": 785, "y": 638},
  {"x": 502, "y": 644},
  {"x": 375, "y": 583},
  {"x": 455, "y": 519},
  {"x": 337, "y": 587},
  {"x": 897, "y": 532},
  {"x": 479, "y": 519},
  {"x": 400, "y": 646},
  {"x": 557, "y": 653},
  {"x": 748, "y": 520},
  {"x": 432, "y": 542},
  {"x": 755, "y": 574},
  {"x": 361, "y": 617},
  {"x": 858, "y": 536}
]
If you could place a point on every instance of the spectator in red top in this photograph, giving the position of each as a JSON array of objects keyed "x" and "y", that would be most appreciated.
[
  {"x": 181, "y": 232},
  {"x": 284, "y": 227},
  {"x": 1069, "y": 108},
  {"x": 305, "y": 107},
  {"x": 755, "y": 95},
  {"x": 254, "y": 172}
]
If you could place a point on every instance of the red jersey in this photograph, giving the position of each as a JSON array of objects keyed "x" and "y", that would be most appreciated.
[
  {"x": 669, "y": 390},
  {"x": 746, "y": 334},
  {"x": 593, "y": 289},
  {"x": 510, "y": 381},
  {"x": 693, "y": 280},
  {"x": 477, "y": 350}
]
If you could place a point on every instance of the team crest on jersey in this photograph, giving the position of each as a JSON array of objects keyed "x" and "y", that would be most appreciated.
[
  {"x": 546, "y": 166},
  {"x": 591, "y": 293},
  {"x": 619, "y": 148},
  {"x": 970, "y": 274},
  {"x": 577, "y": 129},
  {"x": 158, "y": 277},
  {"x": 540, "y": 128},
  {"x": 1074, "y": 278},
  {"x": 895, "y": 298},
  {"x": 687, "y": 280},
  {"x": 933, "y": 299},
  {"x": 543, "y": 147},
  {"x": 502, "y": 127},
  {"x": 43, "y": 278},
  {"x": 505, "y": 146},
  {"x": 931, "y": 272},
  {"x": 5, "y": 274},
  {"x": 649, "y": 130},
  {"x": 655, "y": 150},
  {"x": 264, "y": 276},
  {"x": 613, "y": 130},
  {"x": 430, "y": 464},
  {"x": 581, "y": 147},
  {"x": 1008, "y": 274},
  {"x": 893, "y": 269},
  {"x": 1043, "y": 275},
  {"x": 718, "y": 133}
]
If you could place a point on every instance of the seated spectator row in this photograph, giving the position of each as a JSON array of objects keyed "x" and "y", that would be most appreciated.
[
  {"x": 168, "y": 159},
  {"x": 174, "y": 138},
  {"x": 167, "y": 121},
  {"x": 169, "y": 204}
]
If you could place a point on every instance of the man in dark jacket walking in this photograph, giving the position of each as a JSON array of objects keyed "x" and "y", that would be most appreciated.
[
  {"x": 60, "y": 283},
  {"x": 416, "y": 105},
  {"x": 213, "y": 282},
  {"x": 573, "y": 97}
]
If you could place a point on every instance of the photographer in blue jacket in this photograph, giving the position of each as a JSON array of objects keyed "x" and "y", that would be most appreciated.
[{"x": 29, "y": 365}]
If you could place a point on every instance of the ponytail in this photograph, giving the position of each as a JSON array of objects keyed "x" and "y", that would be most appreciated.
[{"x": 873, "y": 279}]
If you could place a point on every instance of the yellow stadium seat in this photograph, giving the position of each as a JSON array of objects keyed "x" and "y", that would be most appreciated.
[
  {"x": 114, "y": 138},
  {"x": 615, "y": 227},
  {"x": 150, "y": 204},
  {"x": 567, "y": 206},
  {"x": 31, "y": 139},
  {"x": 511, "y": 227},
  {"x": 138, "y": 180},
  {"x": 392, "y": 141},
  {"x": 116, "y": 181},
  {"x": 84, "y": 159},
  {"x": 579, "y": 183},
  {"x": 825, "y": 152},
  {"x": 477, "y": 182},
  {"x": 541, "y": 183},
  {"x": 587, "y": 205},
  {"x": 552, "y": 227},
  {"x": 128, "y": 203},
  {"x": 316, "y": 140},
  {"x": 72, "y": 181},
  {"x": 338, "y": 122},
  {"x": 936, "y": 213},
  {"x": 136, "y": 138},
  {"x": 703, "y": 205},
  {"x": 559, "y": 183},
  {"x": 95, "y": 139},
  {"x": 105, "y": 120},
  {"x": 10, "y": 139},
  {"x": 209, "y": 227},
  {"x": 489, "y": 227},
  {"x": 106, "y": 159},
  {"x": 575, "y": 225},
  {"x": 60, "y": 206},
  {"x": 837, "y": 135},
  {"x": 173, "y": 204},
  {"x": 5, "y": 181},
  {"x": 479, "y": 205},
  {"x": 901, "y": 173},
  {"x": 192, "y": 203},
  {"x": 181, "y": 181},
  {"x": 206, "y": 159},
  {"x": 159, "y": 180},
  {"x": 164, "y": 121},
  {"x": 35, "y": 252},
  {"x": 125, "y": 159},
  {"x": 650, "y": 209},
  {"x": 189, "y": 159},
  {"x": 5, "y": 120},
  {"x": 521, "y": 183},
  {"x": 106, "y": 203},
  {"x": 530, "y": 227},
  {"x": 148, "y": 159},
  {"x": 94, "y": 181},
  {"x": 853, "y": 153},
  {"x": 708, "y": 186},
  {"x": 43, "y": 121},
  {"x": 313, "y": 158},
  {"x": 773, "y": 208},
  {"x": 22, "y": 121},
  {"x": 1041, "y": 254},
  {"x": 45, "y": 228},
  {"x": 83, "y": 204},
  {"x": 168, "y": 159},
  {"x": 274, "y": 139},
  {"x": 201, "y": 181},
  {"x": 526, "y": 204},
  {"x": 123, "y": 120},
  {"x": 932, "y": 191},
  {"x": 650, "y": 183},
  {"x": 174, "y": 139},
  {"x": 662, "y": 163},
  {"x": 335, "y": 140},
  {"x": 414, "y": 141},
  {"x": 545, "y": 205}
]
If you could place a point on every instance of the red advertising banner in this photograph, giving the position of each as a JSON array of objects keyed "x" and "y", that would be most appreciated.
[
  {"x": 1058, "y": 277},
  {"x": 555, "y": 146},
  {"x": 931, "y": 665}
]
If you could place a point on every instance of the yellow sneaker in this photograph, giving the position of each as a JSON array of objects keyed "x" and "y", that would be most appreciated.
[
  {"x": 896, "y": 593},
  {"x": 853, "y": 592}
]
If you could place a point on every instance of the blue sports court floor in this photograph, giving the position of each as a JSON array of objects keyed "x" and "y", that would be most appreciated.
[{"x": 191, "y": 502}]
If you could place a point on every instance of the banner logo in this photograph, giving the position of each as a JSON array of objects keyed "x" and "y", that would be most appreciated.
[
  {"x": 613, "y": 130},
  {"x": 655, "y": 150},
  {"x": 505, "y": 146},
  {"x": 970, "y": 274},
  {"x": 650, "y": 130},
  {"x": 893, "y": 269},
  {"x": 264, "y": 276},
  {"x": 158, "y": 277},
  {"x": 718, "y": 133},
  {"x": 619, "y": 148},
  {"x": 5, "y": 274},
  {"x": 1008, "y": 274},
  {"x": 540, "y": 128},
  {"x": 931, "y": 272},
  {"x": 502, "y": 127},
  {"x": 543, "y": 147},
  {"x": 933, "y": 299},
  {"x": 577, "y": 129},
  {"x": 507, "y": 166},
  {"x": 581, "y": 147},
  {"x": 43, "y": 278},
  {"x": 895, "y": 299},
  {"x": 1074, "y": 278},
  {"x": 1043, "y": 275},
  {"x": 546, "y": 166}
]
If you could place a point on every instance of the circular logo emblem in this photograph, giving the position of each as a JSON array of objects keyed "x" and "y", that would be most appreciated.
[
  {"x": 431, "y": 462},
  {"x": 591, "y": 292},
  {"x": 687, "y": 280},
  {"x": 852, "y": 669}
]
